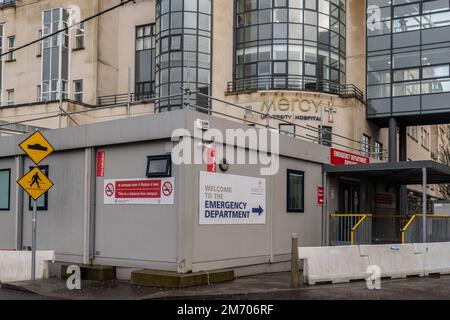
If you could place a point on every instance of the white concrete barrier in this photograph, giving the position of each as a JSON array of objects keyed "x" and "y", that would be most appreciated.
[
  {"x": 436, "y": 257},
  {"x": 335, "y": 264},
  {"x": 395, "y": 261},
  {"x": 16, "y": 265}
]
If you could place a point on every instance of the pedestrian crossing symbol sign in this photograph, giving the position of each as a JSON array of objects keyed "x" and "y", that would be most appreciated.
[
  {"x": 37, "y": 147},
  {"x": 35, "y": 183}
]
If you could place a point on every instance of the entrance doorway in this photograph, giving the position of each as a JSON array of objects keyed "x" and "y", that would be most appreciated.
[{"x": 349, "y": 201}]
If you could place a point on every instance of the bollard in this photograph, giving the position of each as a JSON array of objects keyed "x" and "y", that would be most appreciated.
[{"x": 295, "y": 275}]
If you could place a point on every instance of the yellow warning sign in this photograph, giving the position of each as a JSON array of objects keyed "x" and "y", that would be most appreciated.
[
  {"x": 37, "y": 147},
  {"x": 35, "y": 183}
]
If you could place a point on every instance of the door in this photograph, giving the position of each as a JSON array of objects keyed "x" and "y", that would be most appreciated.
[{"x": 349, "y": 199}]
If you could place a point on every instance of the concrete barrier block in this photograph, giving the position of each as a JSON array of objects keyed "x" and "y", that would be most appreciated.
[
  {"x": 436, "y": 257},
  {"x": 395, "y": 261},
  {"x": 16, "y": 265},
  {"x": 335, "y": 264}
]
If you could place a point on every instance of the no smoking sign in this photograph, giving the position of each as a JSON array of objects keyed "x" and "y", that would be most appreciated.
[
  {"x": 167, "y": 188},
  {"x": 109, "y": 190}
]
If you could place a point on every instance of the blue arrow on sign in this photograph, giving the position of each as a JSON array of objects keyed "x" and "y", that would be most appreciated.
[{"x": 259, "y": 210}]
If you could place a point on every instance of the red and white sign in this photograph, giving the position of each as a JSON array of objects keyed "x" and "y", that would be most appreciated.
[
  {"x": 100, "y": 163},
  {"x": 385, "y": 200},
  {"x": 139, "y": 191},
  {"x": 339, "y": 157},
  {"x": 212, "y": 165},
  {"x": 320, "y": 195}
]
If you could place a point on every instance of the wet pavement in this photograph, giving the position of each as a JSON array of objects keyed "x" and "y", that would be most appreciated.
[{"x": 273, "y": 286}]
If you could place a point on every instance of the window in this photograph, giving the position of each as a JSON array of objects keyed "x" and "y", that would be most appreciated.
[
  {"x": 42, "y": 202},
  {"x": 10, "y": 97},
  {"x": 11, "y": 46},
  {"x": 39, "y": 53},
  {"x": 287, "y": 129},
  {"x": 78, "y": 90},
  {"x": 145, "y": 60},
  {"x": 425, "y": 138},
  {"x": 5, "y": 189},
  {"x": 295, "y": 191},
  {"x": 412, "y": 132},
  {"x": 327, "y": 136},
  {"x": 159, "y": 166},
  {"x": 38, "y": 93},
  {"x": 55, "y": 55},
  {"x": 306, "y": 45},
  {"x": 1, "y": 63},
  {"x": 378, "y": 150},
  {"x": 79, "y": 36},
  {"x": 365, "y": 145}
]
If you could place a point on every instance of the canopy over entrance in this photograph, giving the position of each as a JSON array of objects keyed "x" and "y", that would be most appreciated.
[
  {"x": 398, "y": 173},
  {"x": 403, "y": 173}
]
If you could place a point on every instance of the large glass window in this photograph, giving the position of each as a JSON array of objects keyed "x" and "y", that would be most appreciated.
[
  {"x": 145, "y": 61},
  {"x": 306, "y": 38},
  {"x": 5, "y": 189},
  {"x": 55, "y": 54},
  {"x": 413, "y": 61},
  {"x": 183, "y": 51}
]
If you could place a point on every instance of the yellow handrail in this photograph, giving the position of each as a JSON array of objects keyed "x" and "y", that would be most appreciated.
[
  {"x": 406, "y": 227},
  {"x": 352, "y": 233}
]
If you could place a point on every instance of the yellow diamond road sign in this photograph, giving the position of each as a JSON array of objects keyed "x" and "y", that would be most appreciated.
[
  {"x": 36, "y": 147},
  {"x": 35, "y": 183}
]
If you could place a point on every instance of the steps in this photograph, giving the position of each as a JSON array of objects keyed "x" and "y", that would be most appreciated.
[{"x": 167, "y": 279}]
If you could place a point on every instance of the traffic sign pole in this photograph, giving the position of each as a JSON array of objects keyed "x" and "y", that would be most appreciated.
[
  {"x": 35, "y": 182},
  {"x": 33, "y": 245}
]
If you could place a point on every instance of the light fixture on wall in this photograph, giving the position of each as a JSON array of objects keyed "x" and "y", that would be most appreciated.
[{"x": 223, "y": 165}]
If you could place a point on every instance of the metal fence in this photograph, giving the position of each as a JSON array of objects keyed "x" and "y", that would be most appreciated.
[
  {"x": 350, "y": 229},
  {"x": 437, "y": 229},
  {"x": 295, "y": 83},
  {"x": 125, "y": 98},
  {"x": 388, "y": 228}
]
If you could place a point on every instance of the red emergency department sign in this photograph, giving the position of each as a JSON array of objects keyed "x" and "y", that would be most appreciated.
[
  {"x": 139, "y": 191},
  {"x": 339, "y": 157},
  {"x": 320, "y": 195}
]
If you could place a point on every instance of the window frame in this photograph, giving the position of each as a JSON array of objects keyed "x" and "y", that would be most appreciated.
[
  {"x": 80, "y": 32},
  {"x": 167, "y": 173},
  {"x": 75, "y": 92},
  {"x": 45, "y": 170},
  {"x": 288, "y": 191},
  {"x": 10, "y": 102},
  {"x": 11, "y": 55},
  {"x": 9, "y": 190}
]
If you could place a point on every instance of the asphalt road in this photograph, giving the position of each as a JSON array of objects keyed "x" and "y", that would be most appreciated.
[{"x": 18, "y": 295}]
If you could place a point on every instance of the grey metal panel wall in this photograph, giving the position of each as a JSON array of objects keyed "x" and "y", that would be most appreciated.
[
  {"x": 143, "y": 235},
  {"x": 61, "y": 227},
  {"x": 308, "y": 225},
  {"x": 8, "y": 218}
]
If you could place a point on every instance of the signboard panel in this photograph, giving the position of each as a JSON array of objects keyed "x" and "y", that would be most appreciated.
[
  {"x": 231, "y": 199},
  {"x": 37, "y": 147},
  {"x": 320, "y": 195},
  {"x": 35, "y": 183},
  {"x": 212, "y": 165},
  {"x": 100, "y": 163},
  {"x": 139, "y": 191},
  {"x": 385, "y": 200},
  {"x": 340, "y": 157}
]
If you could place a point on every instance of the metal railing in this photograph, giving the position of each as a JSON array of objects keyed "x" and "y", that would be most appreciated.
[
  {"x": 116, "y": 99},
  {"x": 387, "y": 228},
  {"x": 295, "y": 84},
  {"x": 350, "y": 229},
  {"x": 437, "y": 229},
  {"x": 7, "y": 3}
]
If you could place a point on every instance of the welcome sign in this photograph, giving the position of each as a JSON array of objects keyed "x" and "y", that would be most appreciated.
[{"x": 231, "y": 199}]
